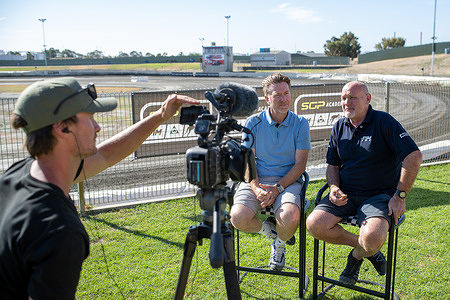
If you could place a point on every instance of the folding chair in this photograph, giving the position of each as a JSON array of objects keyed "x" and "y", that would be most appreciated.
[
  {"x": 303, "y": 280},
  {"x": 390, "y": 268}
]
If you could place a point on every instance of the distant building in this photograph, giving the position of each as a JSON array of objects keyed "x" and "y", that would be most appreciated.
[
  {"x": 39, "y": 56},
  {"x": 318, "y": 59},
  {"x": 217, "y": 59},
  {"x": 267, "y": 57},
  {"x": 23, "y": 56},
  {"x": 4, "y": 56}
]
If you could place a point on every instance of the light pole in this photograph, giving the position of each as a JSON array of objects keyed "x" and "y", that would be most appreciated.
[
  {"x": 433, "y": 47},
  {"x": 43, "y": 35},
  {"x": 201, "y": 39},
  {"x": 228, "y": 32}
]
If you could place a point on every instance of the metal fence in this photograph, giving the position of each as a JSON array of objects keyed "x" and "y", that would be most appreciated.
[{"x": 422, "y": 108}]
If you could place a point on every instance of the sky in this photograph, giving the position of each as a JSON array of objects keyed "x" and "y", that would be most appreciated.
[{"x": 174, "y": 26}]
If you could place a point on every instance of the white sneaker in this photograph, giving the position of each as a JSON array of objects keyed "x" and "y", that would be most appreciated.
[
  {"x": 270, "y": 228},
  {"x": 277, "y": 256}
]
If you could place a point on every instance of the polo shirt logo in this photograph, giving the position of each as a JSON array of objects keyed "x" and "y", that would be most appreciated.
[
  {"x": 366, "y": 138},
  {"x": 403, "y": 134}
]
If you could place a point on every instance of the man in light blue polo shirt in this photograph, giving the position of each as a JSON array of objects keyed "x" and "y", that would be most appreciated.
[{"x": 281, "y": 142}]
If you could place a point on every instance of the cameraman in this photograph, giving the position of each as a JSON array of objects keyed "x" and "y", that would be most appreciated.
[
  {"x": 281, "y": 142},
  {"x": 42, "y": 241}
]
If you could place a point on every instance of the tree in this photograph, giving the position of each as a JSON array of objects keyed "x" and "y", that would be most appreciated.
[
  {"x": 95, "y": 54},
  {"x": 30, "y": 56},
  {"x": 389, "y": 43},
  {"x": 135, "y": 54},
  {"x": 52, "y": 53},
  {"x": 346, "y": 45},
  {"x": 70, "y": 53},
  {"x": 123, "y": 54}
]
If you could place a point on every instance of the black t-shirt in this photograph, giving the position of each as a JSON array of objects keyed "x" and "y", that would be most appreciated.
[
  {"x": 370, "y": 156},
  {"x": 42, "y": 240}
]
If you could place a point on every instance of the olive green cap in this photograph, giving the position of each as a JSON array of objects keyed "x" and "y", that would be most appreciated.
[{"x": 37, "y": 103}]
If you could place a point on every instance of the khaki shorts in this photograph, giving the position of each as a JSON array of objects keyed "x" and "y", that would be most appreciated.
[{"x": 244, "y": 194}]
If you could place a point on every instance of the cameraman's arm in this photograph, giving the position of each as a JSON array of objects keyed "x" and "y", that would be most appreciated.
[{"x": 129, "y": 140}]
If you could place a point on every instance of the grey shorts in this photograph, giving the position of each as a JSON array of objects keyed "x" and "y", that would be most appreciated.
[
  {"x": 244, "y": 194},
  {"x": 363, "y": 207}
]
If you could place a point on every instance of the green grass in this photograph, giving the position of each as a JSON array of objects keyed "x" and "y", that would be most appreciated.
[
  {"x": 157, "y": 66},
  {"x": 144, "y": 250}
]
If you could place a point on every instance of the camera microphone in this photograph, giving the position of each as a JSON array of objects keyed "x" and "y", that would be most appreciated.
[{"x": 246, "y": 99}]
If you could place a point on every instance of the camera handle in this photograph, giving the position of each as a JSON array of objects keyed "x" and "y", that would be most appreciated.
[{"x": 214, "y": 228}]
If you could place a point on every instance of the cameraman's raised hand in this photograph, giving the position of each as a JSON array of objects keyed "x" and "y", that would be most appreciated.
[
  {"x": 129, "y": 140},
  {"x": 173, "y": 103}
]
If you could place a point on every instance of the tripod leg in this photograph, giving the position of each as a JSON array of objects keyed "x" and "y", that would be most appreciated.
[
  {"x": 189, "y": 249},
  {"x": 229, "y": 268}
]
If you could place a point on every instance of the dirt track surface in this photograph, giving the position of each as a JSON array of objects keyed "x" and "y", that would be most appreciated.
[{"x": 154, "y": 83}]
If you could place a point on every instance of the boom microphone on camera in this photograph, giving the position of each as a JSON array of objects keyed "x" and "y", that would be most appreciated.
[{"x": 244, "y": 98}]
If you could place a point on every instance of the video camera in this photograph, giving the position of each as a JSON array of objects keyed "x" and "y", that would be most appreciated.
[
  {"x": 214, "y": 161},
  {"x": 209, "y": 165}
]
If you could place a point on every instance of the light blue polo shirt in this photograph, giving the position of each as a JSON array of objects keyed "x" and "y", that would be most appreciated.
[{"x": 275, "y": 145}]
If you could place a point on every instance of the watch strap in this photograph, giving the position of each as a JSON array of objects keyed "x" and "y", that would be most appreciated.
[
  {"x": 280, "y": 188},
  {"x": 401, "y": 194}
]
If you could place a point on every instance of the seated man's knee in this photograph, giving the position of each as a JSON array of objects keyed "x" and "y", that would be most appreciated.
[
  {"x": 371, "y": 246},
  {"x": 289, "y": 213},
  {"x": 240, "y": 215},
  {"x": 373, "y": 236},
  {"x": 311, "y": 224},
  {"x": 315, "y": 225}
]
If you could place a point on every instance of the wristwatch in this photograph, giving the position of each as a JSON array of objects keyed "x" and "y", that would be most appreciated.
[
  {"x": 280, "y": 188},
  {"x": 401, "y": 194}
]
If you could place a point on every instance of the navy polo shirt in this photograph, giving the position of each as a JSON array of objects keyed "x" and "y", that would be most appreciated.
[{"x": 371, "y": 155}]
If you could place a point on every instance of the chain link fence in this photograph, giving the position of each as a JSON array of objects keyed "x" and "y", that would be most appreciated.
[{"x": 157, "y": 171}]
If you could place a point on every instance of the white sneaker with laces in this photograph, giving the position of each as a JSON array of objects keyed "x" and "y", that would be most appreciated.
[{"x": 277, "y": 256}]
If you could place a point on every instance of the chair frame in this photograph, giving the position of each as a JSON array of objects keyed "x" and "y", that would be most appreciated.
[
  {"x": 390, "y": 268},
  {"x": 300, "y": 273}
]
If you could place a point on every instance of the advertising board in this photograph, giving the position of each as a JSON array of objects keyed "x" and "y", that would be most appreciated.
[{"x": 319, "y": 104}]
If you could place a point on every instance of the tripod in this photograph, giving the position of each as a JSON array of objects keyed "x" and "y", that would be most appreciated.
[{"x": 221, "y": 254}]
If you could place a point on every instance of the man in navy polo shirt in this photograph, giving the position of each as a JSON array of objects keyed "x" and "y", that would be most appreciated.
[
  {"x": 372, "y": 165},
  {"x": 280, "y": 140}
]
